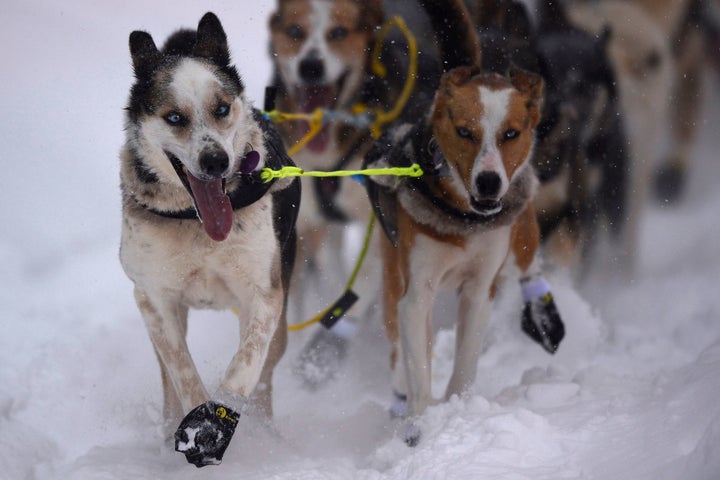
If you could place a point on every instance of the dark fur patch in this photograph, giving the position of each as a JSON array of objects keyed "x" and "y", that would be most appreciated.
[{"x": 141, "y": 170}]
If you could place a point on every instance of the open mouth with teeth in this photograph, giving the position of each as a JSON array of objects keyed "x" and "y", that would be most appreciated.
[
  {"x": 486, "y": 207},
  {"x": 211, "y": 202},
  {"x": 311, "y": 97}
]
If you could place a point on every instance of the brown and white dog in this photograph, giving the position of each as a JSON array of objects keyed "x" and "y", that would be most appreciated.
[
  {"x": 322, "y": 53},
  {"x": 454, "y": 227},
  {"x": 201, "y": 230}
]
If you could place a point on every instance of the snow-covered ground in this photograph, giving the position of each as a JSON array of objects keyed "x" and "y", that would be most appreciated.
[{"x": 632, "y": 393}]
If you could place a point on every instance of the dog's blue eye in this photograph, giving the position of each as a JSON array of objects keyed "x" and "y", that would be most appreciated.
[
  {"x": 222, "y": 110},
  {"x": 337, "y": 33},
  {"x": 510, "y": 134},
  {"x": 464, "y": 133},
  {"x": 175, "y": 119},
  {"x": 295, "y": 32}
]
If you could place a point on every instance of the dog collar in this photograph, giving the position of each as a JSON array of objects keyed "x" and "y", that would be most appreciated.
[{"x": 423, "y": 189}]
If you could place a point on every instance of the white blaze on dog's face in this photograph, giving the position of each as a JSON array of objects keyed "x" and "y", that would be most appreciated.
[
  {"x": 199, "y": 120},
  {"x": 485, "y": 125},
  {"x": 321, "y": 48}
]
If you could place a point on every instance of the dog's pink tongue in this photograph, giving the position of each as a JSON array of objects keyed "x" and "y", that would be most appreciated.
[{"x": 215, "y": 208}]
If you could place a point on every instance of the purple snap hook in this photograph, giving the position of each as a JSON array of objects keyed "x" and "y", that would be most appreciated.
[{"x": 250, "y": 162}]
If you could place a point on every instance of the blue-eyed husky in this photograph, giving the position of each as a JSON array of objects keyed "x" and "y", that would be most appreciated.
[{"x": 201, "y": 230}]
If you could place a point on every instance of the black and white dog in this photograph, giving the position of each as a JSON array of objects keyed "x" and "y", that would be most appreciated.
[{"x": 201, "y": 230}]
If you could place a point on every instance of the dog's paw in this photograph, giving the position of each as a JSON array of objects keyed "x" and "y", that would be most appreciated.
[
  {"x": 542, "y": 322},
  {"x": 321, "y": 358},
  {"x": 205, "y": 433},
  {"x": 399, "y": 406},
  {"x": 410, "y": 433}
]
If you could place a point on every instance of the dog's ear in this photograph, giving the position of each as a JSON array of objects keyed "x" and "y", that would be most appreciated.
[
  {"x": 450, "y": 80},
  {"x": 211, "y": 41},
  {"x": 458, "y": 76},
  {"x": 275, "y": 21},
  {"x": 145, "y": 55},
  {"x": 532, "y": 86}
]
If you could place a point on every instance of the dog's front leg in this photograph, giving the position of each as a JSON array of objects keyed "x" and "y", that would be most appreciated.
[
  {"x": 415, "y": 333},
  {"x": 205, "y": 433},
  {"x": 244, "y": 371},
  {"x": 474, "y": 311},
  {"x": 165, "y": 320}
]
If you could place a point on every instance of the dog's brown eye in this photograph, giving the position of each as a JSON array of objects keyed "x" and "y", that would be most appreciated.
[
  {"x": 175, "y": 119},
  {"x": 337, "y": 33},
  {"x": 295, "y": 32},
  {"x": 222, "y": 110},
  {"x": 510, "y": 134},
  {"x": 464, "y": 133}
]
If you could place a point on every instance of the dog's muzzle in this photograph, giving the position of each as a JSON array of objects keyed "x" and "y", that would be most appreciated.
[
  {"x": 488, "y": 185},
  {"x": 211, "y": 202}
]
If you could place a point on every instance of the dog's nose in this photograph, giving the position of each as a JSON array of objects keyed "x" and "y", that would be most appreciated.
[
  {"x": 214, "y": 162},
  {"x": 312, "y": 69},
  {"x": 488, "y": 184}
]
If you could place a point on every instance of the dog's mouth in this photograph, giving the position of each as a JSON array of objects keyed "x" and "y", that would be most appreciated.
[
  {"x": 311, "y": 97},
  {"x": 486, "y": 207},
  {"x": 212, "y": 204}
]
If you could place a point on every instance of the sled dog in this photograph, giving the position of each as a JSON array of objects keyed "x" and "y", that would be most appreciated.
[
  {"x": 454, "y": 227},
  {"x": 201, "y": 229}
]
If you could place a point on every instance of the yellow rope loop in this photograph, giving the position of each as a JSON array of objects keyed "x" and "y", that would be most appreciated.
[
  {"x": 351, "y": 281},
  {"x": 363, "y": 251},
  {"x": 268, "y": 174},
  {"x": 315, "y": 121},
  {"x": 383, "y": 117},
  {"x": 296, "y": 327}
]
